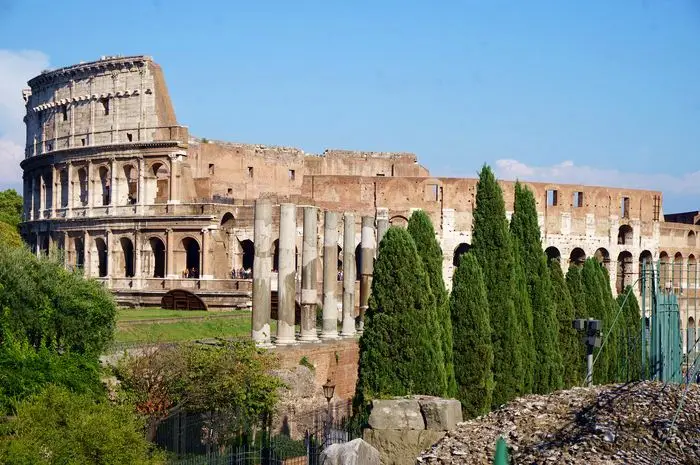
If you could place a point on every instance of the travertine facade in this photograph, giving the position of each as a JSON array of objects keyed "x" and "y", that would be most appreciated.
[{"x": 111, "y": 178}]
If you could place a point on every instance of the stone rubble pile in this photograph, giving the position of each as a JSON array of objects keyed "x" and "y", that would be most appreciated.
[{"x": 611, "y": 424}]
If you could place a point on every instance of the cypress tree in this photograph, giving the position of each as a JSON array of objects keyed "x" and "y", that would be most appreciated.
[
  {"x": 400, "y": 349},
  {"x": 421, "y": 230},
  {"x": 578, "y": 297},
  {"x": 473, "y": 352},
  {"x": 613, "y": 325},
  {"x": 491, "y": 246},
  {"x": 597, "y": 308},
  {"x": 570, "y": 346},
  {"x": 523, "y": 315},
  {"x": 632, "y": 334},
  {"x": 541, "y": 315}
]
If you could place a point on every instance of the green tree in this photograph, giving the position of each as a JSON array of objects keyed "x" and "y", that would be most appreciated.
[
  {"x": 421, "y": 230},
  {"x": 60, "y": 427},
  {"x": 9, "y": 235},
  {"x": 613, "y": 324},
  {"x": 53, "y": 307},
  {"x": 570, "y": 346},
  {"x": 400, "y": 348},
  {"x": 473, "y": 352},
  {"x": 631, "y": 334},
  {"x": 576, "y": 291},
  {"x": 11, "y": 207},
  {"x": 540, "y": 314},
  {"x": 523, "y": 314},
  {"x": 493, "y": 250},
  {"x": 596, "y": 307}
]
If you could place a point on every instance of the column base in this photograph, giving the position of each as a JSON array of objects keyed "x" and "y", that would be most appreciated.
[
  {"x": 285, "y": 342},
  {"x": 348, "y": 334},
  {"x": 330, "y": 336},
  {"x": 311, "y": 337}
]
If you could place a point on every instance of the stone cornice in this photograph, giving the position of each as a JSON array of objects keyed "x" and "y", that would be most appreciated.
[{"x": 90, "y": 68}]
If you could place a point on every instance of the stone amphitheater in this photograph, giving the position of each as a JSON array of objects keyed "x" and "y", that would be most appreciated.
[{"x": 115, "y": 182}]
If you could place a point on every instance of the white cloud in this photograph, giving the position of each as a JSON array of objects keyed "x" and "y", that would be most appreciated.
[
  {"x": 567, "y": 172},
  {"x": 16, "y": 68}
]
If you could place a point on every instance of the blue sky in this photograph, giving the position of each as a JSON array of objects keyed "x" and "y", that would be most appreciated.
[{"x": 601, "y": 92}]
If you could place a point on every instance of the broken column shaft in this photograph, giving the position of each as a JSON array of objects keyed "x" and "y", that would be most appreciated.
[
  {"x": 349, "y": 273},
  {"x": 330, "y": 275},
  {"x": 262, "y": 266},
  {"x": 286, "y": 280}
]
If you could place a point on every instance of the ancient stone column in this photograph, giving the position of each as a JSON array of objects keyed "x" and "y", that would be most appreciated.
[
  {"x": 330, "y": 275},
  {"x": 309, "y": 268},
  {"x": 366, "y": 265},
  {"x": 113, "y": 188},
  {"x": 137, "y": 256},
  {"x": 69, "y": 186},
  {"x": 349, "y": 274},
  {"x": 262, "y": 268},
  {"x": 286, "y": 277},
  {"x": 204, "y": 255},
  {"x": 87, "y": 254},
  {"x": 110, "y": 254},
  {"x": 382, "y": 224},
  {"x": 170, "y": 255},
  {"x": 141, "y": 194},
  {"x": 173, "y": 178}
]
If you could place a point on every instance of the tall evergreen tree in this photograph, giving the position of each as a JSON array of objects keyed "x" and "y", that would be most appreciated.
[
  {"x": 421, "y": 230},
  {"x": 491, "y": 246},
  {"x": 473, "y": 352},
  {"x": 400, "y": 349},
  {"x": 631, "y": 334},
  {"x": 523, "y": 314},
  {"x": 597, "y": 308},
  {"x": 570, "y": 345},
  {"x": 574, "y": 283},
  {"x": 546, "y": 365},
  {"x": 614, "y": 324}
]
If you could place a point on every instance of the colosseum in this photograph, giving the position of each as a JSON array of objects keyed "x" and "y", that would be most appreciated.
[{"x": 112, "y": 180}]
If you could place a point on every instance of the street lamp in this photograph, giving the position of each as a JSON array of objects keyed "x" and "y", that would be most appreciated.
[
  {"x": 328, "y": 390},
  {"x": 592, "y": 338}
]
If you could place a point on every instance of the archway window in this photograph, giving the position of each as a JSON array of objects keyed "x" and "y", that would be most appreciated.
[
  {"x": 79, "y": 250},
  {"x": 248, "y": 254},
  {"x": 603, "y": 257},
  {"x": 63, "y": 179},
  {"x": 128, "y": 254},
  {"x": 553, "y": 253},
  {"x": 664, "y": 271},
  {"x": 101, "y": 247},
  {"x": 130, "y": 174},
  {"x": 105, "y": 184},
  {"x": 161, "y": 173},
  {"x": 691, "y": 239},
  {"x": 678, "y": 271},
  {"x": 645, "y": 270},
  {"x": 460, "y": 250},
  {"x": 227, "y": 222},
  {"x": 624, "y": 235},
  {"x": 692, "y": 274},
  {"x": 577, "y": 256},
  {"x": 83, "y": 183},
  {"x": 157, "y": 257},
  {"x": 191, "y": 248},
  {"x": 400, "y": 221},
  {"x": 624, "y": 271}
]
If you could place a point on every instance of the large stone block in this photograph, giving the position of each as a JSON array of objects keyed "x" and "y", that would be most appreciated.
[
  {"x": 440, "y": 414},
  {"x": 396, "y": 414},
  {"x": 355, "y": 452},
  {"x": 401, "y": 447}
]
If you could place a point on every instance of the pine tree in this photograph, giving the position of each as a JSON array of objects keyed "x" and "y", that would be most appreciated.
[
  {"x": 421, "y": 230},
  {"x": 491, "y": 246},
  {"x": 546, "y": 364},
  {"x": 473, "y": 352},
  {"x": 400, "y": 349},
  {"x": 570, "y": 345},
  {"x": 597, "y": 308},
  {"x": 631, "y": 334}
]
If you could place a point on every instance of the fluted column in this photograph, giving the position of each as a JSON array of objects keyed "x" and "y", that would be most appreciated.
[
  {"x": 262, "y": 267},
  {"x": 367, "y": 265},
  {"x": 330, "y": 275},
  {"x": 309, "y": 269},
  {"x": 348, "y": 275},
  {"x": 286, "y": 287}
]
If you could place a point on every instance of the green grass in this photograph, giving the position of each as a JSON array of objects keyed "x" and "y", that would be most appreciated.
[
  {"x": 183, "y": 331},
  {"x": 136, "y": 314}
]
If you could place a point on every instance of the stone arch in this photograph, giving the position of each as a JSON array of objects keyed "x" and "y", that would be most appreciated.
[
  {"x": 105, "y": 184},
  {"x": 645, "y": 268},
  {"x": 228, "y": 221},
  {"x": 248, "y": 249},
  {"x": 127, "y": 256},
  {"x": 664, "y": 270},
  {"x": 159, "y": 182},
  {"x": 156, "y": 262},
  {"x": 190, "y": 247},
  {"x": 677, "y": 270},
  {"x": 603, "y": 257},
  {"x": 625, "y": 271},
  {"x": 625, "y": 233},
  {"x": 460, "y": 250},
  {"x": 101, "y": 249},
  {"x": 577, "y": 256},
  {"x": 553, "y": 253},
  {"x": 691, "y": 239},
  {"x": 399, "y": 220},
  {"x": 692, "y": 273},
  {"x": 132, "y": 181},
  {"x": 690, "y": 336}
]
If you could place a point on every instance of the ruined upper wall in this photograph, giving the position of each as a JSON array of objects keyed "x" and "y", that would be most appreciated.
[{"x": 112, "y": 100}]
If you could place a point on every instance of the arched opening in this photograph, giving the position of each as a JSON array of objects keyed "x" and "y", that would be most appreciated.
[
  {"x": 603, "y": 257},
  {"x": 625, "y": 272},
  {"x": 130, "y": 174},
  {"x": 577, "y": 257},
  {"x": 460, "y": 250},
  {"x": 691, "y": 239},
  {"x": 677, "y": 271},
  {"x": 79, "y": 249},
  {"x": 105, "y": 184},
  {"x": 128, "y": 255},
  {"x": 624, "y": 235},
  {"x": 690, "y": 341},
  {"x": 83, "y": 183},
  {"x": 664, "y": 271},
  {"x": 101, "y": 247},
  {"x": 645, "y": 269},
  {"x": 45, "y": 245},
  {"x": 248, "y": 254},
  {"x": 400, "y": 221},
  {"x": 63, "y": 180},
  {"x": 692, "y": 278},
  {"x": 227, "y": 222},
  {"x": 162, "y": 182},
  {"x": 157, "y": 262},
  {"x": 191, "y": 248},
  {"x": 553, "y": 253}
]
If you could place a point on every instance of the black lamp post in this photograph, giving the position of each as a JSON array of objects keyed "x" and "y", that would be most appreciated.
[{"x": 328, "y": 391}]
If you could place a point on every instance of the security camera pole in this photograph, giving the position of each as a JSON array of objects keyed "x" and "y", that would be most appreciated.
[{"x": 592, "y": 330}]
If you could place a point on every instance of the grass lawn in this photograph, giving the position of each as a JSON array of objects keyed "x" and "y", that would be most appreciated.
[
  {"x": 183, "y": 331},
  {"x": 136, "y": 314}
]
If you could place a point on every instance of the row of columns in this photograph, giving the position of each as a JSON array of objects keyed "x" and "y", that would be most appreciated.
[{"x": 261, "y": 332}]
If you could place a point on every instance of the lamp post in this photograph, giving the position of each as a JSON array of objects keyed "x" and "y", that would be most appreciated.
[
  {"x": 328, "y": 391},
  {"x": 592, "y": 330}
]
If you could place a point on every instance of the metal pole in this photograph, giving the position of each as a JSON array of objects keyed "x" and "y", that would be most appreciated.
[{"x": 589, "y": 365}]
